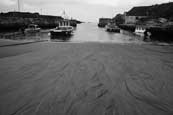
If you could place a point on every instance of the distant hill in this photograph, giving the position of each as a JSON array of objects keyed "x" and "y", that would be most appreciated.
[{"x": 159, "y": 10}]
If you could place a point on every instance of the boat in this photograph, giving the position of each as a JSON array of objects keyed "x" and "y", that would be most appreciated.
[
  {"x": 103, "y": 22},
  {"x": 112, "y": 27},
  {"x": 139, "y": 30},
  {"x": 32, "y": 28},
  {"x": 63, "y": 29}
]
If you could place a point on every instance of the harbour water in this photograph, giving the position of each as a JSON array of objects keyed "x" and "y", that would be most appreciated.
[
  {"x": 90, "y": 32},
  {"x": 86, "y": 32}
]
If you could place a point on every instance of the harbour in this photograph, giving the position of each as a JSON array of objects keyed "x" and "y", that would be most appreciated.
[
  {"x": 83, "y": 33},
  {"x": 52, "y": 64}
]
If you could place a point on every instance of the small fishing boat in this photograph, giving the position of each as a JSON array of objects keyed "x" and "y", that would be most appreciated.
[
  {"x": 32, "y": 28},
  {"x": 139, "y": 30},
  {"x": 63, "y": 29},
  {"x": 103, "y": 22},
  {"x": 111, "y": 27}
]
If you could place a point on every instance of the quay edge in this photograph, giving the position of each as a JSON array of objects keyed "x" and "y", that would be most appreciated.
[{"x": 164, "y": 34}]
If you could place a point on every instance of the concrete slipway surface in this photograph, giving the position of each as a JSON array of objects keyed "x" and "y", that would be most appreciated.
[{"x": 86, "y": 79}]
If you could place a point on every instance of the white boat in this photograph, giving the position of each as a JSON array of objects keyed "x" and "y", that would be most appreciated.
[
  {"x": 139, "y": 30},
  {"x": 32, "y": 28},
  {"x": 63, "y": 29}
]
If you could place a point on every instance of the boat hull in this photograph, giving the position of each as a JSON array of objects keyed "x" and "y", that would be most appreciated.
[
  {"x": 140, "y": 34},
  {"x": 32, "y": 30},
  {"x": 101, "y": 25},
  {"x": 61, "y": 35},
  {"x": 113, "y": 30}
]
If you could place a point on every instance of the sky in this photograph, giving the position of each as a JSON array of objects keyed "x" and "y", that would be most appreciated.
[{"x": 84, "y": 10}]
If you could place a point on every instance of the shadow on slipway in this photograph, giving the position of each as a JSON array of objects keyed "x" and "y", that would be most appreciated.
[{"x": 61, "y": 38}]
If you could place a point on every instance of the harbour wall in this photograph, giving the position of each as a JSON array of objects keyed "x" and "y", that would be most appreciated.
[
  {"x": 164, "y": 34},
  {"x": 13, "y": 21}
]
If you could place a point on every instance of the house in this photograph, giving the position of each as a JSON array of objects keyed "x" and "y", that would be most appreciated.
[
  {"x": 157, "y": 11},
  {"x": 135, "y": 14}
]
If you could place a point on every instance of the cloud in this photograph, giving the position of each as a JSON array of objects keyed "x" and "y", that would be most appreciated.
[
  {"x": 28, "y": 7},
  {"x": 81, "y": 9},
  {"x": 8, "y": 2},
  {"x": 104, "y": 2}
]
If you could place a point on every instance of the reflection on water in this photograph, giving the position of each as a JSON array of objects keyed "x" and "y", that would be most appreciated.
[
  {"x": 43, "y": 35},
  {"x": 91, "y": 33},
  {"x": 86, "y": 32}
]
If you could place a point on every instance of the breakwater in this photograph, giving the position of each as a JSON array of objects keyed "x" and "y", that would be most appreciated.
[
  {"x": 13, "y": 21},
  {"x": 10, "y": 24}
]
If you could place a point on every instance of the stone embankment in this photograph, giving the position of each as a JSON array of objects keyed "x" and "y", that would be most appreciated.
[
  {"x": 158, "y": 32},
  {"x": 15, "y": 20}
]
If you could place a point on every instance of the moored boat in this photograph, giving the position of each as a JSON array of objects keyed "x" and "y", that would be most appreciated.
[
  {"x": 32, "y": 28},
  {"x": 111, "y": 27},
  {"x": 63, "y": 29},
  {"x": 139, "y": 30},
  {"x": 103, "y": 22}
]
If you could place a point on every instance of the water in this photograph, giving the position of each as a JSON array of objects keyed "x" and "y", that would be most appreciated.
[
  {"x": 43, "y": 35},
  {"x": 86, "y": 32},
  {"x": 89, "y": 32}
]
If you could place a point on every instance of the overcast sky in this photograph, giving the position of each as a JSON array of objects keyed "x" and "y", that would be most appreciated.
[{"x": 85, "y": 10}]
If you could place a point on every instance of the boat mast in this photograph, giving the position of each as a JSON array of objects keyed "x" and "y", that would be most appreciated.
[
  {"x": 18, "y": 5},
  {"x": 64, "y": 15}
]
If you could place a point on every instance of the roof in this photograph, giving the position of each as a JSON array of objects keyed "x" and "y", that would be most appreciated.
[
  {"x": 158, "y": 10},
  {"x": 138, "y": 11}
]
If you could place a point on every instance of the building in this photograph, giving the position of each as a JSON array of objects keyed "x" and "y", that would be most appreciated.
[
  {"x": 130, "y": 19},
  {"x": 104, "y": 21},
  {"x": 153, "y": 12},
  {"x": 136, "y": 14}
]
